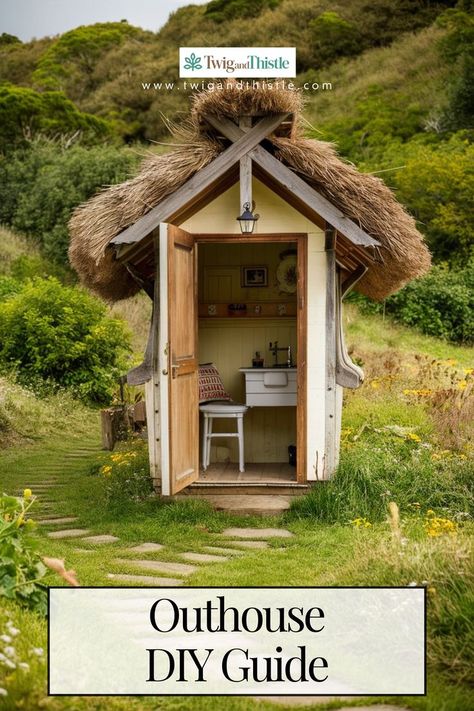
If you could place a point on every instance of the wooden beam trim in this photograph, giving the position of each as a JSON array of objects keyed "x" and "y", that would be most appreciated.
[
  {"x": 297, "y": 185},
  {"x": 201, "y": 181}
]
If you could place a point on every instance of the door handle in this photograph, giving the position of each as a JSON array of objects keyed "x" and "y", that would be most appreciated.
[{"x": 174, "y": 368}]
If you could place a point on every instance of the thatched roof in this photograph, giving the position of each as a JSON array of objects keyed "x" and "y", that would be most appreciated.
[{"x": 363, "y": 198}]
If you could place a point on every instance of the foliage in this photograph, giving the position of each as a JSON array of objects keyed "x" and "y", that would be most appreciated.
[
  {"x": 440, "y": 304},
  {"x": 72, "y": 58},
  {"x": 126, "y": 476},
  {"x": 26, "y": 113},
  {"x": 334, "y": 37},
  {"x": 369, "y": 476},
  {"x": 40, "y": 186},
  {"x": 22, "y": 569},
  {"x": 457, "y": 46},
  {"x": 9, "y": 285},
  {"x": 7, "y": 39},
  {"x": 61, "y": 335},
  {"x": 225, "y": 10},
  {"x": 437, "y": 184}
]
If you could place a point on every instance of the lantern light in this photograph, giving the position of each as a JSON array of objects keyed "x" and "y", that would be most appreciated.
[{"x": 247, "y": 219}]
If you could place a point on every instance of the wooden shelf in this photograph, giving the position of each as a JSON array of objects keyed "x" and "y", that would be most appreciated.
[{"x": 260, "y": 309}]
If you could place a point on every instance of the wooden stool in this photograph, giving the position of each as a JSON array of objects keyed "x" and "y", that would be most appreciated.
[{"x": 222, "y": 410}]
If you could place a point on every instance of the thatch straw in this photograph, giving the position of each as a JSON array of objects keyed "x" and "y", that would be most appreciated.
[{"x": 363, "y": 198}]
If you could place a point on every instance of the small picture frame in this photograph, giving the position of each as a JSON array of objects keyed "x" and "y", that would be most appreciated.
[{"x": 254, "y": 276}]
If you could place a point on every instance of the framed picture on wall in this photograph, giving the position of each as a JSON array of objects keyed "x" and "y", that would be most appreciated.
[{"x": 254, "y": 276}]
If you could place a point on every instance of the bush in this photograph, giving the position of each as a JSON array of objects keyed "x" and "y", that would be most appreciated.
[
  {"x": 334, "y": 37},
  {"x": 21, "y": 568},
  {"x": 25, "y": 113},
  {"x": 60, "y": 335},
  {"x": 40, "y": 186},
  {"x": 436, "y": 185},
  {"x": 439, "y": 304}
]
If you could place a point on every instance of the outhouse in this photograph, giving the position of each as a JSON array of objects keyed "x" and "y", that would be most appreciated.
[{"x": 247, "y": 236}]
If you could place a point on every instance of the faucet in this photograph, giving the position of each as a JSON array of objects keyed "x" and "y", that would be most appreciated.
[{"x": 273, "y": 348}]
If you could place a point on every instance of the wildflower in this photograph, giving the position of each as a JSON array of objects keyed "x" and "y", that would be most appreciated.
[
  {"x": 413, "y": 584},
  {"x": 9, "y": 651},
  {"x": 12, "y": 630},
  {"x": 361, "y": 522},
  {"x": 24, "y": 665},
  {"x": 431, "y": 590},
  {"x": 106, "y": 470},
  {"x": 462, "y": 385},
  {"x": 3, "y": 692},
  {"x": 27, "y": 493},
  {"x": 413, "y": 437},
  {"x": 436, "y": 526},
  {"x": 39, "y": 651},
  {"x": 5, "y": 638}
]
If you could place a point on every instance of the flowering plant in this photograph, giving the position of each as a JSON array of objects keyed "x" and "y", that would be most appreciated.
[{"x": 21, "y": 569}]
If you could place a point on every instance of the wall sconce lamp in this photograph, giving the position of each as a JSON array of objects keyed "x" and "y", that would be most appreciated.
[{"x": 247, "y": 220}]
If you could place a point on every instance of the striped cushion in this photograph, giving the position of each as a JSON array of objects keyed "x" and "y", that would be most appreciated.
[{"x": 211, "y": 386}]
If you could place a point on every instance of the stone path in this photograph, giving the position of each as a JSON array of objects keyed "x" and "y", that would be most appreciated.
[
  {"x": 316, "y": 700},
  {"x": 257, "y": 533}
]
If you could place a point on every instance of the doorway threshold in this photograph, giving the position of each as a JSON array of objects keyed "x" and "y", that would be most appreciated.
[{"x": 255, "y": 473}]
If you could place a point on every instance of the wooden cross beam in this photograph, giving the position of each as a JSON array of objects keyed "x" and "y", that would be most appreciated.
[
  {"x": 201, "y": 181},
  {"x": 293, "y": 183}
]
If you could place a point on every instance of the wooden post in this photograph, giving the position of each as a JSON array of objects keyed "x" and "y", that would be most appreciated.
[
  {"x": 331, "y": 448},
  {"x": 245, "y": 123},
  {"x": 152, "y": 386}
]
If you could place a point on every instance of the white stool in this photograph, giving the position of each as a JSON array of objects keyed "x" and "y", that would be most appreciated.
[{"x": 222, "y": 410}]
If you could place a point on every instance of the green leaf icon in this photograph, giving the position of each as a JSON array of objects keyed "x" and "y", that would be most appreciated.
[{"x": 192, "y": 62}]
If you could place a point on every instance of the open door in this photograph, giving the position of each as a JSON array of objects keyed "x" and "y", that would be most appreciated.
[{"x": 179, "y": 391}]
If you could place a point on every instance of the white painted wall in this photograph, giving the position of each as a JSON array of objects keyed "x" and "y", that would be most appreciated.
[{"x": 277, "y": 216}]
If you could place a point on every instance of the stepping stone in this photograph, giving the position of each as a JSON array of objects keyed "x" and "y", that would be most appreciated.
[
  {"x": 203, "y": 557},
  {"x": 223, "y": 551},
  {"x": 146, "y": 548},
  {"x": 145, "y": 579},
  {"x": 99, "y": 540},
  {"x": 69, "y": 533},
  {"x": 316, "y": 700},
  {"x": 250, "y": 544},
  {"x": 164, "y": 566},
  {"x": 57, "y": 521},
  {"x": 257, "y": 533}
]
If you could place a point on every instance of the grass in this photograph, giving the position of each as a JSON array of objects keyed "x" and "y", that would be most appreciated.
[{"x": 390, "y": 449}]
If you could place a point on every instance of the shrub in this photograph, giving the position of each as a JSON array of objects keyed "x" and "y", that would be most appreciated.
[
  {"x": 334, "y": 37},
  {"x": 22, "y": 569},
  {"x": 225, "y": 10},
  {"x": 25, "y": 113},
  {"x": 439, "y": 304},
  {"x": 436, "y": 185},
  {"x": 60, "y": 335},
  {"x": 40, "y": 186}
]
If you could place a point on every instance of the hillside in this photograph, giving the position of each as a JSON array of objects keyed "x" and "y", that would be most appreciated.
[
  {"x": 101, "y": 67},
  {"x": 75, "y": 116}
]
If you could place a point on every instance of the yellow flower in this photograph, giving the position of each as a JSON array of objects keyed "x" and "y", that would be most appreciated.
[
  {"x": 361, "y": 522},
  {"x": 413, "y": 437},
  {"x": 462, "y": 385},
  {"x": 106, "y": 470},
  {"x": 27, "y": 493}
]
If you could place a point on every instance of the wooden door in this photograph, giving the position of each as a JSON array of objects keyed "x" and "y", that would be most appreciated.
[{"x": 180, "y": 421}]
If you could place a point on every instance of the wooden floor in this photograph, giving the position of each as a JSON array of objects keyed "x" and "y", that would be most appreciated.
[{"x": 254, "y": 473}]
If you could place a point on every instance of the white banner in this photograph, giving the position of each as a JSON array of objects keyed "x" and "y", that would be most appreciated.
[
  {"x": 252, "y": 62},
  {"x": 237, "y": 641}
]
